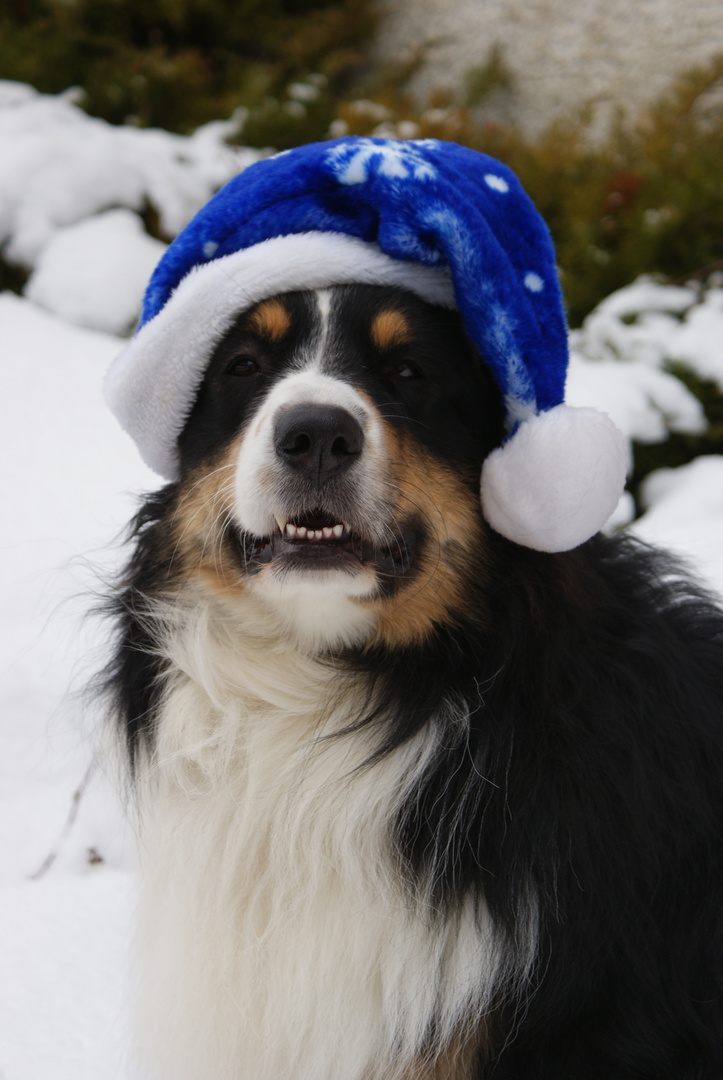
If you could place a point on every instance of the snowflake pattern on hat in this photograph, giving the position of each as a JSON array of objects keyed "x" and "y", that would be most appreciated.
[{"x": 352, "y": 162}]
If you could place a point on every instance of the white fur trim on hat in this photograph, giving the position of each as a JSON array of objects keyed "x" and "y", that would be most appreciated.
[
  {"x": 556, "y": 481},
  {"x": 152, "y": 385}
]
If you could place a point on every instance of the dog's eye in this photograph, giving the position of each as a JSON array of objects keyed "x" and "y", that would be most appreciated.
[
  {"x": 405, "y": 370},
  {"x": 243, "y": 365}
]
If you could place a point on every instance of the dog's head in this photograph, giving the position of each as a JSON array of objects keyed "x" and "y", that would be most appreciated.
[
  {"x": 339, "y": 405},
  {"x": 330, "y": 465}
]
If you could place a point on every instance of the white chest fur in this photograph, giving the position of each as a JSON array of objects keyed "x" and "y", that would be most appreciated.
[{"x": 276, "y": 939}]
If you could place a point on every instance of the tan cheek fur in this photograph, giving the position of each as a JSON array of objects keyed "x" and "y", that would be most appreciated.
[
  {"x": 437, "y": 586},
  {"x": 204, "y": 505}
]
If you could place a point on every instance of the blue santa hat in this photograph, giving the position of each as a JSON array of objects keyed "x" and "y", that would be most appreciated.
[{"x": 447, "y": 223}]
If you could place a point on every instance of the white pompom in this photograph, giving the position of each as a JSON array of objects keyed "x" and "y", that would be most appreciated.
[{"x": 554, "y": 484}]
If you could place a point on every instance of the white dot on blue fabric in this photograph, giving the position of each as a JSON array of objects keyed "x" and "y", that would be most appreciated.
[
  {"x": 534, "y": 282},
  {"x": 210, "y": 248},
  {"x": 496, "y": 182}
]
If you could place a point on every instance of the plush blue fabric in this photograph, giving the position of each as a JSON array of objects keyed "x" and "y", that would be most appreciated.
[{"x": 437, "y": 203}]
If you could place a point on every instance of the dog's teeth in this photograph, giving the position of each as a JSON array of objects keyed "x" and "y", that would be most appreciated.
[
  {"x": 281, "y": 522},
  {"x": 347, "y": 526},
  {"x": 303, "y": 532}
]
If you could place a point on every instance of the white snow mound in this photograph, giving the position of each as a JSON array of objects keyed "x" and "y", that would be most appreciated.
[
  {"x": 95, "y": 273},
  {"x": 59, "y": 166}
]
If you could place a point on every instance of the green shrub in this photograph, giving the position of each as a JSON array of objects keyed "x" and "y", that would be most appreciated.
[{"x": 179, "y": 63}]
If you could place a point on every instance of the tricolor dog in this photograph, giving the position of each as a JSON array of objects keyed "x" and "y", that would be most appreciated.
[{"x": 429, "y": 771}]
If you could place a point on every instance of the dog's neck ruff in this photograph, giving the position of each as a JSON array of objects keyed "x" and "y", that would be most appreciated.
[
  {"x": 445, "y": 222},
  {"x": 261, "y": 816}
]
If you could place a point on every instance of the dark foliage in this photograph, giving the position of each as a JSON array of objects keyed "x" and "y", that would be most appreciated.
[{"x": 179, "y": 63}]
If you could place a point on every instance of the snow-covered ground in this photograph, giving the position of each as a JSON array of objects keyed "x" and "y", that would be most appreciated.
[{"x": 69, "y": 484}]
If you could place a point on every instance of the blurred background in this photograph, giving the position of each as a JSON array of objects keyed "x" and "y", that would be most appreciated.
[
  {"x": 610, "y": 113},
  {"x": 118, "y": 120}
]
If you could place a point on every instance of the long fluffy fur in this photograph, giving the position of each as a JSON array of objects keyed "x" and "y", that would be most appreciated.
[{"x": 489, "y": 849}]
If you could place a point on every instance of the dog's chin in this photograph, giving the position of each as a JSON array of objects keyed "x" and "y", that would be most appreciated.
[{"x": 315, "y": 571}]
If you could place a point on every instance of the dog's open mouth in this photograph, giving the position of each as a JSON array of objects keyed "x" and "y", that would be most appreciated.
[
  {"x": 314, "y": 528},
  {"x": 319, "y": 540}
]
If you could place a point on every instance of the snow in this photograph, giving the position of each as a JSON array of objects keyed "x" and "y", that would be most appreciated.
[
  {"x": 698, "y": 341},
  {"x": 654, "y": 325},
  {"x": 94, "y": 273},
  {"x": 69, "y": 189},
  {"x": 63, "y": 942},
  {"x": 621, "y": 355},
  {"x": 63, "y": 937},
  {"x": 645, "y": 402},
  {"x": 685, "y": 514},
  {"x": 59, "y": 166}
]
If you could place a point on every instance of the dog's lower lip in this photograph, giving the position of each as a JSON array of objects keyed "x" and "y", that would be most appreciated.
[{"x": 347, "y": 549}]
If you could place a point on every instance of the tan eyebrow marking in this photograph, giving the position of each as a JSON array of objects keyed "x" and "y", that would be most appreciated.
[
  {"x": 270, "y": 319},
  {"x": 390, "y": 328}
]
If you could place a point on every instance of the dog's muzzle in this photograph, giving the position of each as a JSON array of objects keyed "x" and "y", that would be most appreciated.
[{"x": 313, "y": 485}]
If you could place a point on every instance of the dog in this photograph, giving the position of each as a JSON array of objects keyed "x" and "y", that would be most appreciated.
[{"x": 416, "y": 802}]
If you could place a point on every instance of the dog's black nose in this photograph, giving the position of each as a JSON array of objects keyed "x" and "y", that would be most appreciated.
[{"x": 319, "y": 440}]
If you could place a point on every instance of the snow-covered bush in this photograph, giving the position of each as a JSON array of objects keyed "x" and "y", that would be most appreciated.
[
  {"x": 651, "y": 355},
  {"x": 64, "y": 176},
  {"x": 659, "y": 325}
]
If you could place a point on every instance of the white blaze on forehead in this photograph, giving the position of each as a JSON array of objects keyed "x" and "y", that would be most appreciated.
[
  {"x": 313, "y": 356},
  {"x": 323, "y": 303}
]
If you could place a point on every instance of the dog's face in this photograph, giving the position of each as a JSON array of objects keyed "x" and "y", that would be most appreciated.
[{"x": 331, "y": 464}]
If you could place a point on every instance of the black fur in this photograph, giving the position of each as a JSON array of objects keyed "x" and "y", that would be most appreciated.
[
  {"x": 580, "y": 761},
  {"x": 589, "y": 775}
]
